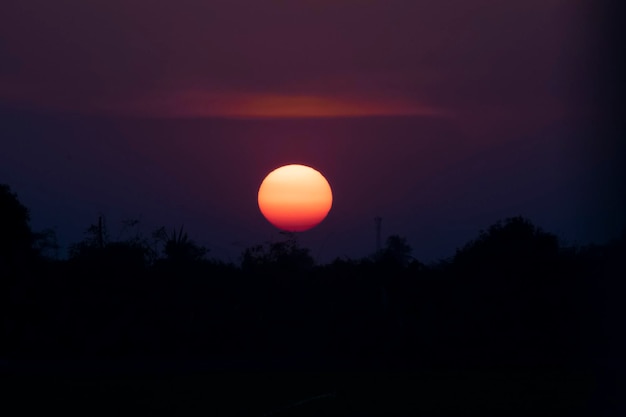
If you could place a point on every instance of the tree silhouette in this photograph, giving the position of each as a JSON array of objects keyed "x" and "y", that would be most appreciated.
[
  {"x": 510, "y": 298},
  {"x": 45, "y": 244},
  {"x": 515, "y": 245},
  {"x": 285, "y": 256},
  {"x": 16, "y": 237},
  {"x": 132, "y": 253},
  {"x": 96, "y": 238},
  {"x": 397, "y": 251}
]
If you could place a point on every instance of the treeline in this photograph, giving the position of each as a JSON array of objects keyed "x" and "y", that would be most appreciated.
[{"x": 514, "y": 296}]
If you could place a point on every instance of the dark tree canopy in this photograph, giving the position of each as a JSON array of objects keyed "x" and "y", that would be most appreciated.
[
  {"x": 285, "y": 256},
  {"x": 397, "y": 251},
  {"x": 509, "y": 298},
  {"x": 512, "y": 244},
  {"x": 16, "y": 237}
]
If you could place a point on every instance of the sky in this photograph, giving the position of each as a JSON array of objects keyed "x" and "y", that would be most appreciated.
[{"x": 441, "y": 117}]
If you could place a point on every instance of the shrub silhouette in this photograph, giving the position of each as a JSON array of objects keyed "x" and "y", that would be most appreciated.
[{"x": 180, "y": 249}]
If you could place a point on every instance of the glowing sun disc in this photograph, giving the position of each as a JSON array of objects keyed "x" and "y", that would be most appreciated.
[{"x": 295, "y": 198}]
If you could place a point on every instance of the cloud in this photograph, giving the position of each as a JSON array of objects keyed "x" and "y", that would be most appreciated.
[
  {"x": 292, "y": 58},
  {"x": 268, "y": 105}
]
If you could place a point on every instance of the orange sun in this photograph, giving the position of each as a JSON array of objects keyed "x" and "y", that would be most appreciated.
[{"x": 295, "y": 198}]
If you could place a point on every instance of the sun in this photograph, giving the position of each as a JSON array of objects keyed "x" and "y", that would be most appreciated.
[{"x": 295, "y": 198}]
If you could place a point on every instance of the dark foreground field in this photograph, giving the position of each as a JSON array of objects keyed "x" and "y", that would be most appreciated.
[
  {"x": 72, "y": 389},
  {"x": 514, "y": 324}
]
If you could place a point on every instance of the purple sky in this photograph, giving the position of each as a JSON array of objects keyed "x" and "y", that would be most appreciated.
[{"x": 440, "y": 116}]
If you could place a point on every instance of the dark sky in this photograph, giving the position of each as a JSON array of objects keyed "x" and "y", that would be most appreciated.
[{"x": 440, "y": 116}]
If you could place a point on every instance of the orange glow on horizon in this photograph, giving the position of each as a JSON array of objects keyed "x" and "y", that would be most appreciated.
[
  {"x": 295, "y": 198},
  {"x": 279, "y": 106},
  {"x": 268, "y": 105}
]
